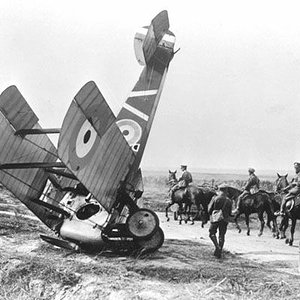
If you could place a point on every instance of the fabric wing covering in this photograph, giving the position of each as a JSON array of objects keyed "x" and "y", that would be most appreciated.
[
  {"x": 92, "y": 146},
  {"x": 25, "y": 184}
]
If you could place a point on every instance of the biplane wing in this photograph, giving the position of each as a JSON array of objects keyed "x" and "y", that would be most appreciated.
[
  {"x": 21, "y": 156},
  {"x": 92, "y": 146}
]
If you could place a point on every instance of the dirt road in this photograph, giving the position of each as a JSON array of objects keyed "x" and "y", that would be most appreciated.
[{"x": 260, "y": 249}]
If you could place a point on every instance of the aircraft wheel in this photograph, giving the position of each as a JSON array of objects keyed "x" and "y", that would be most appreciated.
[
  {"x": 153, "y": 243},
  {"x": 142, "y": 224}
]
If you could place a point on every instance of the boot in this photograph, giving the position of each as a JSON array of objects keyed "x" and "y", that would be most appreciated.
[
  {"x": 221, "y": 243},
  {"x": 217, "y": 252}
]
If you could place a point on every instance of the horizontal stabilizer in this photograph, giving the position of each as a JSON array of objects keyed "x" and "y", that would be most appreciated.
[
  {"x": 92, "y": 146},
  {"x": 157, "y": 29}
]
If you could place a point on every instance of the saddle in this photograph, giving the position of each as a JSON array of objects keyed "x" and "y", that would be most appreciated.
[
  {"x": 247, "y": 194},
  {"x": 290, "y": 204}
]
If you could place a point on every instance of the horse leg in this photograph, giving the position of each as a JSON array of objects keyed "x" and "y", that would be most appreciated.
[
  {"x": 189, "y": 215},
  {"x": 247, "y": 223},
  {"x": 262, "y": 223},
  {"x": 187, "y": 210},
  {"x": 269, "y": 219},
  {"x": 275, "y": 229},
  {"x": 180, "y": 209},
  {"x": 283, "y": 226},
  {"x": 292, "y": 231},
  {"x": 170, "y": 204},
  {"x": 236, "y": 222},
  {"x": 206, "y": 216},
  {"x": 197, "y": 215}
]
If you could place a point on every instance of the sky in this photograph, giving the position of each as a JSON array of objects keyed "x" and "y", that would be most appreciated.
[{"x": 231, "y": 96}]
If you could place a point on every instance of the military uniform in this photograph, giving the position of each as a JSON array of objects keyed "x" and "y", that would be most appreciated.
[
  {"x": 293, "y": 188},
  {"x": 185, "y": 179},
  {"x": 252, "y": 184},
  {"x": 218, "y": 202},
  {"x": 251, "y": 187},
  {"x": 183, "y": 182}
]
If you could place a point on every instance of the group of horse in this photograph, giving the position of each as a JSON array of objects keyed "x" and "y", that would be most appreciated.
[{"x": 261, "y": 202}]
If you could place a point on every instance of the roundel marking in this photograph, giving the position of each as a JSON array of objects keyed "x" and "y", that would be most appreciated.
[
  {"x": 131, "y": 130},
  {"x": 84, "y": 141}
]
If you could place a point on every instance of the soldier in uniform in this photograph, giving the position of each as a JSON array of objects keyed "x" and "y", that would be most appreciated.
[
  {"x": 293, "y": 188},
  {"x": 251, "y": 187},
  {"x": 220, "y": 202},
  {"x": 185, "y": 179}
]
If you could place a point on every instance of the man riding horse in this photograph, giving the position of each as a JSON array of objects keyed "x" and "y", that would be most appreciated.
[
  {"x": 183, "y": 182},
  {"x": 251, "y": 187},
  {"x": 293, "y": 188}
]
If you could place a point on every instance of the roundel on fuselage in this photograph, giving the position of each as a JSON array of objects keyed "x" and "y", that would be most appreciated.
[{"x": 132, "y": 132}]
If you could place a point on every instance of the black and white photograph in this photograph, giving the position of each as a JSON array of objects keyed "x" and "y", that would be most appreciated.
[{"x": 149, "y": 150}]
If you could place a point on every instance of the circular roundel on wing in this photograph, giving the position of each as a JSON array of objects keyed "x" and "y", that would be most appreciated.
[
  {"x": 85, "y": 139},
  {"x": 83, "y": 144},
  {"x": 131, "y": 130}
]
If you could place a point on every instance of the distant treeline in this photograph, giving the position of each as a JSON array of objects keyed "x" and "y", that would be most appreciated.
[{"x": 162, "y": 182}]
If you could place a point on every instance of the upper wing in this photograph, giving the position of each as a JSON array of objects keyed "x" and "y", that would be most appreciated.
[
  {"x": 27, "y": 184},
  {"x": 92, "y": 146}
]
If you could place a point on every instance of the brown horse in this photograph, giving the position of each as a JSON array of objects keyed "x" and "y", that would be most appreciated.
[
  {"x": 292, "y": 209},
  {"x": 259, "y": 203},
  {"x": 179, "y": 197},
  {"x": 193, "y": 194},
  {"x": 233, "y": 193}
]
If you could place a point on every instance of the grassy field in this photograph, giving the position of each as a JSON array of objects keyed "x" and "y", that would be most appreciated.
[{"x": 181, "y": 269}]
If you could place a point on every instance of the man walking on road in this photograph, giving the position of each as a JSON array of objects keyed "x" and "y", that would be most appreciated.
[{"x": 219, "y": 203}]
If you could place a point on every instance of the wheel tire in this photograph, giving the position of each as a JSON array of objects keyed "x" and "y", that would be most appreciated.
[
  {"x": 153, "y": 243},
  {"x": 142, "y": 224}
]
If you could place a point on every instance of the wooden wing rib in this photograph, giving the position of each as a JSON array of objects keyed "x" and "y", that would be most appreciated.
[
  {"x": 92, "y": 146},
  {"x": 25, "y": 184}
]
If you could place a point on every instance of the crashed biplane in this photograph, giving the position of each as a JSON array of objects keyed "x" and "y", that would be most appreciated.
[{"x": 86, "y": 189}]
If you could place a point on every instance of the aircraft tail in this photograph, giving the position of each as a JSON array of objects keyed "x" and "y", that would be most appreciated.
[
  {"x": 136, "y": 116},
  {"x": 25, "y": 183},
  {"x": 150, "y": 37}
]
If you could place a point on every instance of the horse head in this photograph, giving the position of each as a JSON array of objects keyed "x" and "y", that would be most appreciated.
[
  {"x": 233, "y": 192},
  {"x": 172, "y": 178},
  {"x": 281, "y": 182}
]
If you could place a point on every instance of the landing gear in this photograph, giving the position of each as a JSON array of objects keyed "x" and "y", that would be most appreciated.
[
  {"x": 142, "y": 224},
  {"x": 139, "y": 232},
  {"x": 151, "y": 244}
]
